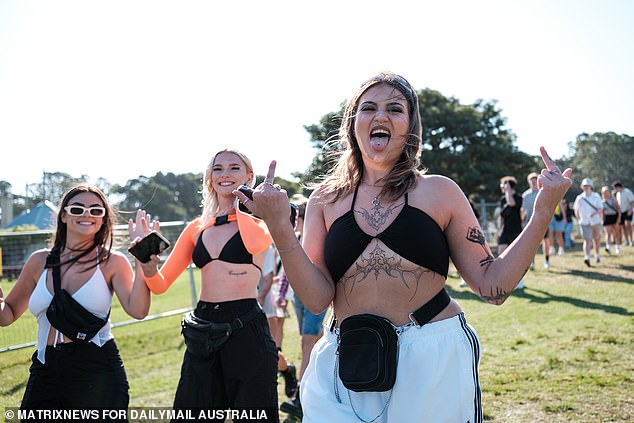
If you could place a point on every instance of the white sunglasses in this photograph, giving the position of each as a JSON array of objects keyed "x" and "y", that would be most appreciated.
[{"x": 81, "y": 210}]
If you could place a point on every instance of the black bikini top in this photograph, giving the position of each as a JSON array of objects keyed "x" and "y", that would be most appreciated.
[
  {"x": 413, "y": 235},
  {"x": 234, "y": 251}
]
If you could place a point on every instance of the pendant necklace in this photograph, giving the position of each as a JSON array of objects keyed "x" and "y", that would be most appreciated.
[{"x": 376, "y": 203}]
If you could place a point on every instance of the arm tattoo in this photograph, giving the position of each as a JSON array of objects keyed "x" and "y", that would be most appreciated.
[
  {"x": 377, "y": 217},
  {"x": 377, "y": 262},
  {"x": 474, "y": 234},
  {"x": 497, "y": 297}
]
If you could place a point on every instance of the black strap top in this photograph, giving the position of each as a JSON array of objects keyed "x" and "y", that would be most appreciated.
[
  {"x": 413, "y": 235},
  {"x": 234, "y": 251}
]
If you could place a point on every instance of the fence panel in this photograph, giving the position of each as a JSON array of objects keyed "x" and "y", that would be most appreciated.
[{"x": 16, "y": 247}]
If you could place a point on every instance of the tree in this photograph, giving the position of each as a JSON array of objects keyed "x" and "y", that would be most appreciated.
[
  {"x": 468, "y": 143},
  {"x": 323, "y": 138},
  {"x": 166, "y": 196},
  {"x": 604, "y": 157}
]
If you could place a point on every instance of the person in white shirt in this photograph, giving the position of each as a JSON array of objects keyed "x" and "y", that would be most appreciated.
[
  {"x": 589, "y": 213},
  {"x": 68, "y": 370},
  {"x": 625, "y": 198},
  {"x": 528, "y": 203}
]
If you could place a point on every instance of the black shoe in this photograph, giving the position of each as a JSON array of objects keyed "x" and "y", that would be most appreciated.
[
  {"x": 293, "y": 407},
  {"x": 587, "y": 262},
  {"x": 290, "y": 380}
]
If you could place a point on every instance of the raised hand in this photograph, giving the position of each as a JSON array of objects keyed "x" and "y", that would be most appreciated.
[
  {"x": 552, "y": 182},
  {"x": 142, "y": 225},
  {"x": 270, "y": 201}
]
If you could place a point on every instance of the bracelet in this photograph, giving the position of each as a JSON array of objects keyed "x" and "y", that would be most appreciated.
[{"x": 286, "y": 250}]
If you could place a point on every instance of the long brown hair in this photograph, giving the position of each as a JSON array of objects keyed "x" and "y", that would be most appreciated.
[
  {"x": 104, "y": 237},
  {"x": 348, "y": 169}
]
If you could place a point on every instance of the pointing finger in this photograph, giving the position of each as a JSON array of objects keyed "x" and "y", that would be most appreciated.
[
  {"x": 270, "y": 176},
  {"x": 550, "y": 164}
]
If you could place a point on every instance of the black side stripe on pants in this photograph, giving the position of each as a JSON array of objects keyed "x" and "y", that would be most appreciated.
[{"x": 475, "y": 346}]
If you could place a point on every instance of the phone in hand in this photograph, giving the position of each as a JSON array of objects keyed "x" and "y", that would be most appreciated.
[
  {"x": 152, "y": 244},
  {"x": 248, "y": 191}
]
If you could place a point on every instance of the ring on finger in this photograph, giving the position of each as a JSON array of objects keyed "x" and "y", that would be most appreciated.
[{"x": 268, "y": 183}]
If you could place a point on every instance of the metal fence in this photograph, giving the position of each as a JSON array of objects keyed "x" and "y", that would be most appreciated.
[{"x": 16, "y": 247}]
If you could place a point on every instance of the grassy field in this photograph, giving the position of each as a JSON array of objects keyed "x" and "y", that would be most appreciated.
[{"x": 562, "y": 350}]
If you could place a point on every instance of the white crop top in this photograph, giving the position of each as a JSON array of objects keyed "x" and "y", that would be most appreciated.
[{"x": 94, "y": 295}]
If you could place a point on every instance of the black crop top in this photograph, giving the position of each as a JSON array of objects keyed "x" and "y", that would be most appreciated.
[
  {"x": 413, "y": 235},
  {"x": 233, "y": 251}
]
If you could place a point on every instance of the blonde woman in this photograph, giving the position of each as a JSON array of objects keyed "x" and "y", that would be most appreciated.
[{"x": 219, "y": 372}]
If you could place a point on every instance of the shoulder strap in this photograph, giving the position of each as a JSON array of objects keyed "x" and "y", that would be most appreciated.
[
  {"x": 354, "y": 196},
  {"x": 591, "y": 205},
  {"x": 52, "y": 261},
  {"x": 610, "y": 206}
]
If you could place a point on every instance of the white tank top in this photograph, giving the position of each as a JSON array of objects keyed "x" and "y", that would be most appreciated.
[{"x": 94, "y": 295}]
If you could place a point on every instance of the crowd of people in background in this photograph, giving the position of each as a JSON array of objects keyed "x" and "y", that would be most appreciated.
[{"x": 358, "y": 230}]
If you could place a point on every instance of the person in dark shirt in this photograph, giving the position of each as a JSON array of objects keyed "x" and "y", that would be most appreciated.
[{"x": 510, "y": 216}]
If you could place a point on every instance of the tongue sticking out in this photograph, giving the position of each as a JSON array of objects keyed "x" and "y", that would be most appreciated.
[{"x": 379, "y": 141}]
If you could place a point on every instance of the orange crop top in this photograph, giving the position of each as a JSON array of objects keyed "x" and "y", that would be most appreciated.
[{"x": 253, "y": 231}]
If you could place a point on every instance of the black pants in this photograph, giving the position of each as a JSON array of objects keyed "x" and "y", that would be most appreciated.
[
  {"x": 77, "y": 376},
  {"x": 241, "y": 375}
]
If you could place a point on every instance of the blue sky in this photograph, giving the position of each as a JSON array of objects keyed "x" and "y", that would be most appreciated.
[{"x": 120, "y": 89}]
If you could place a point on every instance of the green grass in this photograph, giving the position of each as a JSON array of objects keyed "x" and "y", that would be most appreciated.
[{"x": 562, "y": 350}]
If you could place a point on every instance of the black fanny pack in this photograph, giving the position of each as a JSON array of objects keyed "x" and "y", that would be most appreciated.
[
  {"x": 68, "y": 316},
  {"x": 368, "y": 347},
  {"x": 368, "y": 353},
  {"x": 203, "y": 337}
]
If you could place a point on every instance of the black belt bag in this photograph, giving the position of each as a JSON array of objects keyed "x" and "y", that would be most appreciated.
[
  {"x": 368, "y": 353},
  {"x": 203, "y": 337},
  {"x": 68, "y": 316},
  {"x": 368, "y": 347}
]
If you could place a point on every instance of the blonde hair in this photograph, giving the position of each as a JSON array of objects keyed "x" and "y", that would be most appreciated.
[{"x": 210, "y": 197}]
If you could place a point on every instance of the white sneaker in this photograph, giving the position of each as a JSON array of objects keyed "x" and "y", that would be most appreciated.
[
  {"x": 520, "y": 285},
  {"x": 547, "y": 265},
  {"x": 551, "y": 251},
  {"x": 561, "y": 251},
  {"x": 463, "y": 283},
  {"x": 597, "y": 259},
  {"x": 618, "y": 249}
]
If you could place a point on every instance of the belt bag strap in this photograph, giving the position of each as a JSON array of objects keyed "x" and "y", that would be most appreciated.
[
  {"x": 430, "y": 309},
  {"x": 240, "y": 322}
]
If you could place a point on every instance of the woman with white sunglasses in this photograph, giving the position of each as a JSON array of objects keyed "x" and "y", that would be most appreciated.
[{"x": 79, "y": 372}]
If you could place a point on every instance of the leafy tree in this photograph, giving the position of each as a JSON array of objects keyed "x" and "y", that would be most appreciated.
[
  {"x": 165, "y": 196},
  {"x": 468, "y": 143},
  {"x": 324, "y": 139},
  {"x": 52, "y": 187},
  {"x": 604, "y": 157}
]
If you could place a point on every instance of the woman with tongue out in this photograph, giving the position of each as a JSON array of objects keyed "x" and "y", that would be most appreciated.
[
  {"x": 234, "y": 365},
  {"x": 378, "y": 238}
]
